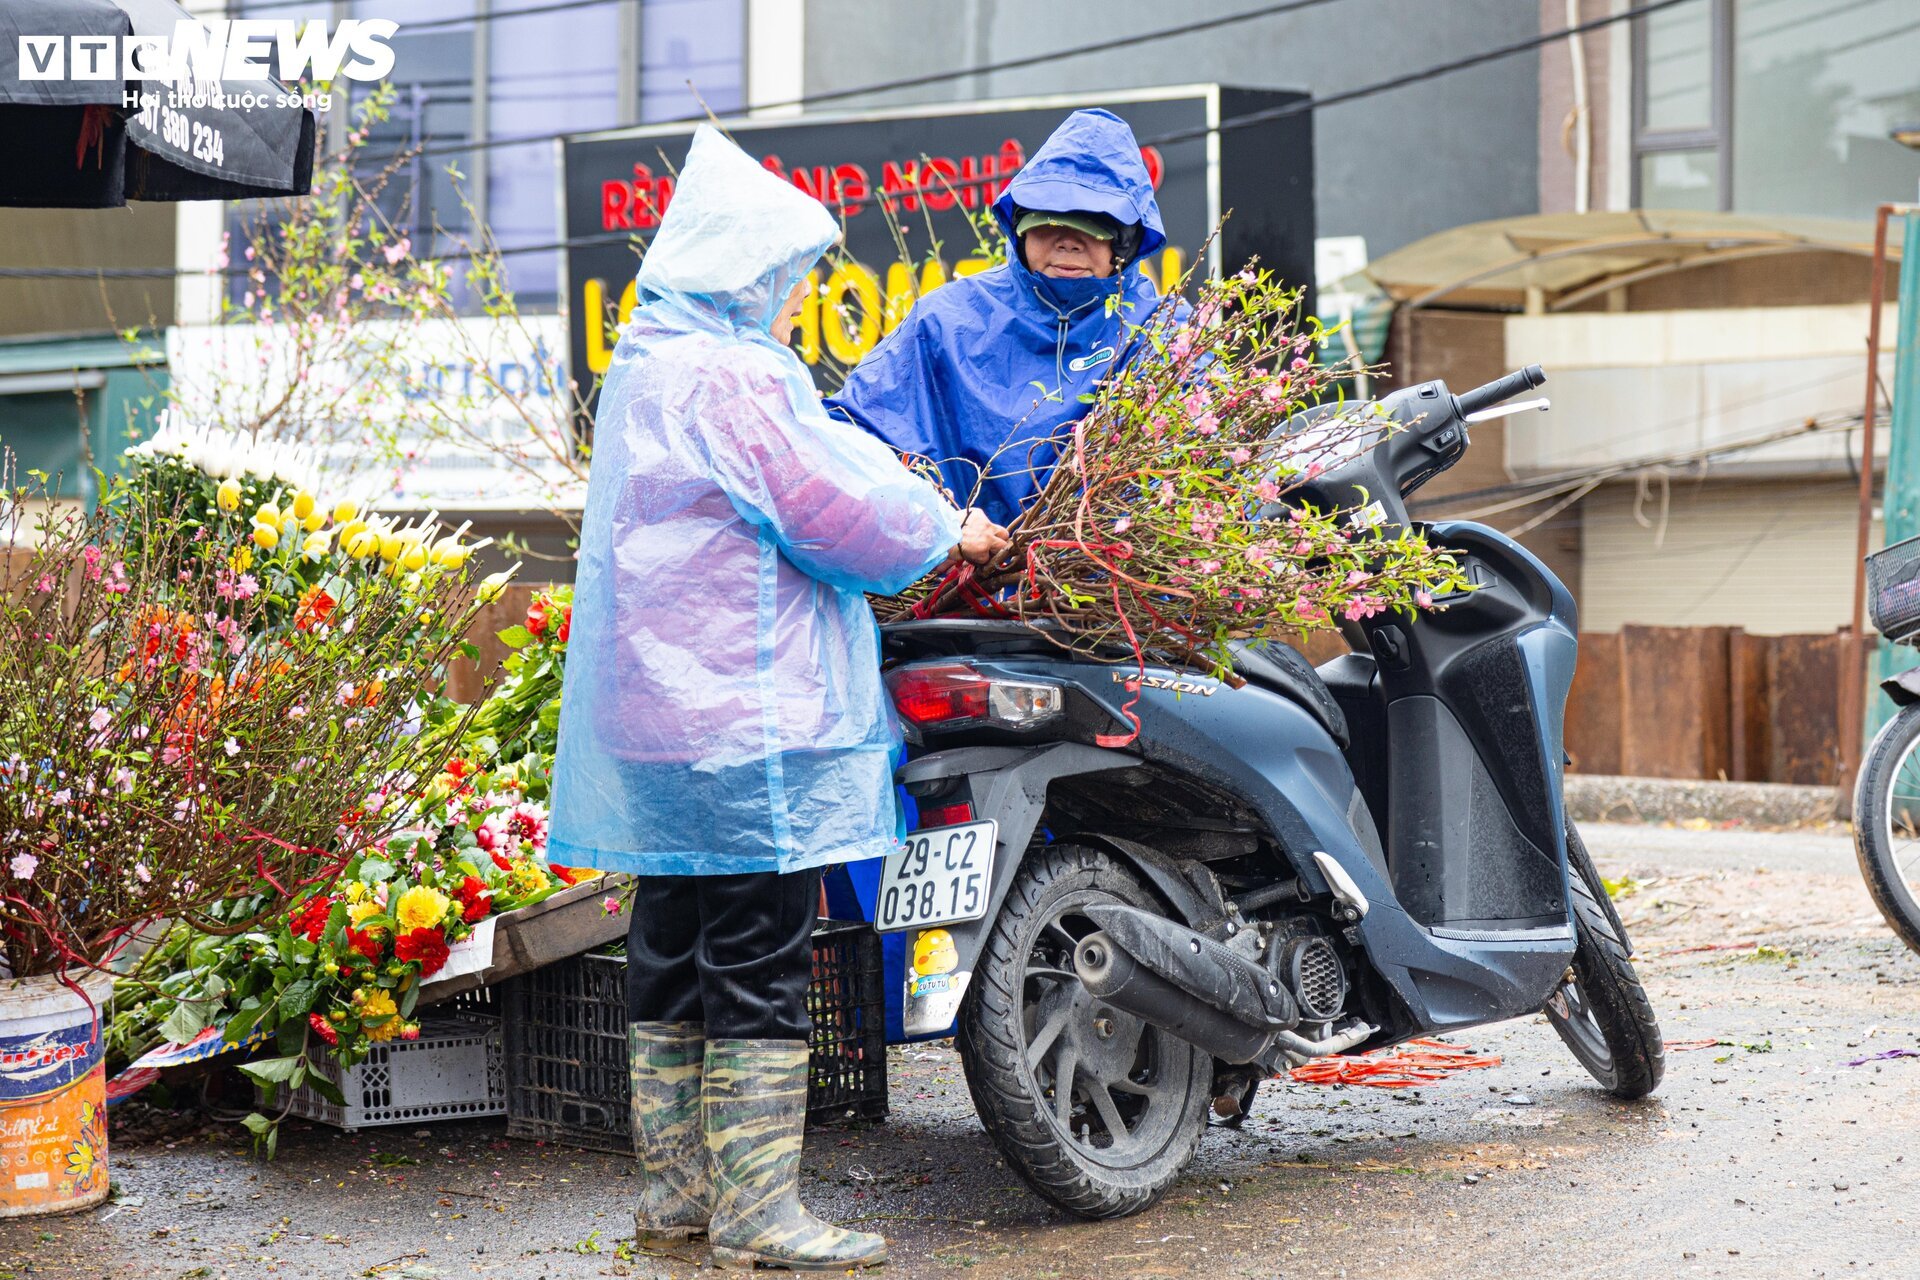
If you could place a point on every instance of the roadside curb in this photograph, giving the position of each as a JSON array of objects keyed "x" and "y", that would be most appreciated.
[{"x": 1604, "y": 798}]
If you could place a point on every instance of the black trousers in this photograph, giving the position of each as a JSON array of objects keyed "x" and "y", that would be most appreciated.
[{"x": 733, "y": 952}]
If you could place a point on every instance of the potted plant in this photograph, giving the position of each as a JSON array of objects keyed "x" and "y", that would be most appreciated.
[{"x": 204, "y": 699}]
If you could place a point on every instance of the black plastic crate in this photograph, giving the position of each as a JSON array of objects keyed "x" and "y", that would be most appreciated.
[
  {"x": 1893, "y": 589},
  {"x": 566, "y": 1042}
]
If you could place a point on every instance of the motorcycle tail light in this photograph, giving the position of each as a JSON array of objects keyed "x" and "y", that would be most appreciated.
[
  {"x": 946, "y": 815},
  {"x": 951, "y": 693}
]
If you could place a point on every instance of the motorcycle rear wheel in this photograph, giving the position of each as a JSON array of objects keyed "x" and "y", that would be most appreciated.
[
  {"x": 1095, "y": 1110},
  {"x": 1600, "y": 1010}
]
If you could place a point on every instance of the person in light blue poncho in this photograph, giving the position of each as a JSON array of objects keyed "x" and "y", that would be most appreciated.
[{"x": 724, "y": 733}]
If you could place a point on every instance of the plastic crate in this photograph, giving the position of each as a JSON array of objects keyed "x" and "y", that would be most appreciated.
[
  {"x": 454, "y": 1070},
  {"x": 566, "y": 1042},
  {"x": 1893, "y": 589}
]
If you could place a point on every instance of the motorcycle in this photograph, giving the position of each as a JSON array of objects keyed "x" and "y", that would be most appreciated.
[
  {"x": 1886, "y": 790},
  {"x": 1322, "y": 860}
]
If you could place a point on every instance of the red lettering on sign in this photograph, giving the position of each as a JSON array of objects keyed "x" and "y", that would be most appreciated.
[{"x": 1156, "y": 165}]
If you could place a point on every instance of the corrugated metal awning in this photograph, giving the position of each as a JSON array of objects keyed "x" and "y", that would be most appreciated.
[
  {"x": 1571, "y": 257},
  {"x": 76, "y": 355}
]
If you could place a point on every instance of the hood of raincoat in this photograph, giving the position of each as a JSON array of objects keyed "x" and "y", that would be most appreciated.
[
  {"x": 734, "y": 241},
  {"x": 722, "y": 710},
  {"x": 984, "y": 373}
]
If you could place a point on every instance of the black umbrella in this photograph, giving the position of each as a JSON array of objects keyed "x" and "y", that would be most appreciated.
[{"x": 74, "y": 143}]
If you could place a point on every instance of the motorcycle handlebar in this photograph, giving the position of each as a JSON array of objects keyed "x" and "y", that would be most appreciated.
[{"x": 1524, "y": 380}]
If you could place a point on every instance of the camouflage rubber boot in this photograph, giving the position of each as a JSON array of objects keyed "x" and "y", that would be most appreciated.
[
  {"x": 754, "y": 1094},
  {"x": 676, "y": 1192}
]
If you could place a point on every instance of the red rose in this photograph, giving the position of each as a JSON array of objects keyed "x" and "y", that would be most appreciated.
[
  {"x": 323, "y": 1029},
  {"x": 367, "y": 944},
  {"x": 566, "y": 624},
  {"x": 537, "y": 618},
  {"x": 428, "y": 946}
]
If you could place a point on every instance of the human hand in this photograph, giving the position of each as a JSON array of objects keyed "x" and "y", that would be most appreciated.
[{"x": 981, "y": 540}]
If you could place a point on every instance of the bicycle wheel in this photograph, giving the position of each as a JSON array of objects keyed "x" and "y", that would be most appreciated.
[{"x": 1886, "y": 823}]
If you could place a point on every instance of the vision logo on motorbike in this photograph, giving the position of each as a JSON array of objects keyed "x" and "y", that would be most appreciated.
[
  {"x": 218, "y": 49},
  {"x": 1167, "y": 682}
]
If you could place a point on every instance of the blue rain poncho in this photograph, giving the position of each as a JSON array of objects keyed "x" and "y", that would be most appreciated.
[
  {"x": 983, "y": 373},
  {"x": 723, "y": 711}
]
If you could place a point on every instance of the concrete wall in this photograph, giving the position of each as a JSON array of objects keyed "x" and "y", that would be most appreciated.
[{"x": 1393, "y": 168}]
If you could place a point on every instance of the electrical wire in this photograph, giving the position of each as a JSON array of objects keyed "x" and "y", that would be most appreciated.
[{"x": 1236, "y": 122}]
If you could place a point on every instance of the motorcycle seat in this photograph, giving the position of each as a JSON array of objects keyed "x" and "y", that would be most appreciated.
[{"x": 1281, "y": 669}]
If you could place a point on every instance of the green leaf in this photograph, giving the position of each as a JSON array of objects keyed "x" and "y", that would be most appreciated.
[
  {"x": 271, "y": 1070},
  {"x": 373, "y": 871},
  {"x": 516, "y": 637},
  {"x": 188, "y": 1019},
  {"x": 298, "y": 998},
  {"x": 257, "y": 1124},
  {"x": 318, "y": 1081}
]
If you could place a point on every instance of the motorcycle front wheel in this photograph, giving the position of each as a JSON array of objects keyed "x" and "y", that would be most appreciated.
[
  {"x": 1600, "y": 1010},
  {"x": 1886, "y": 823},
  {"x": 1096, "y": 1110}
]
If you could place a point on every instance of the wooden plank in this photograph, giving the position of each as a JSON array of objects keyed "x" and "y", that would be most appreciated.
[
  {"x": 467, "y": 681},
  {"x": 1594, "y": 705},
  {"x": 571, "y": 921},
  {"x": 1804, "y": 709},
  {"x": 1666, "y": 683},
  {"x": 1749, "y": 716},
  {"x": 1716, "y": 757}
]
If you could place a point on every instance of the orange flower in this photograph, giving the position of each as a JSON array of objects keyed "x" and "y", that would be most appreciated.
[{"x": 315, "y": 609}]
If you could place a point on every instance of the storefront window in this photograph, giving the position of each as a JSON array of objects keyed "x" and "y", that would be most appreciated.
[
  {"x": 1777, "y": 106},
  {"x": 697, "y": 41}
]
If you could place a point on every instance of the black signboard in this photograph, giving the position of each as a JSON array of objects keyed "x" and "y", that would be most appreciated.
[{"x": 937, "y": 168}]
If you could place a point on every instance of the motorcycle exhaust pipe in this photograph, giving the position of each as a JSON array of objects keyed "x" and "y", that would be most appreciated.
[{"x": 1111, "y": 975}]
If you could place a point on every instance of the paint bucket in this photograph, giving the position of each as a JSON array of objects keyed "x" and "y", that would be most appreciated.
[{"x": 53, "y": 1096}]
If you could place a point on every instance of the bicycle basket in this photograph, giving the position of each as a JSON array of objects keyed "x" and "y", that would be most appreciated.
[{"x": 1893, "y": 589}]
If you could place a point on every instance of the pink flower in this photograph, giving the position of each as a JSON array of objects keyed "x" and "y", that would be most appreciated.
[
  {"x": 1424, "y": 599},
  {"x": 1123, "y": 524},
  {"x": 44, "y": 585},
  {"x": 92, "y": 557},
  {"x": 100, "y": 719},
  {"x": 1247, "y": 277},
  {"x": 610, "y": 905},
  {"x": 64, "y": 796},
  {"x": 1355, "y": 578},
  {"x": 1206, "y": 424},
  {"x": 142, "y": 874},
  {"x": 1299, "y": 364},
  {"x": 1364, "y": 607},
  {"x": 1242, "y": 456},
  {"x": 1182, "y": 345},
  {"x": 24, "y": 865},
  {"x": 1209, "y": 566},
  {"x": 1267, "y": 490},
  {"x": 397, "y": 250},
  {"x": 1274, "y": 393}
]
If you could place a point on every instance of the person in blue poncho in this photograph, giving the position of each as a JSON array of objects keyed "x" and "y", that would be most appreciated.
[
  {"x": 724, "y": 733},
  {"x": 984, "y": 372}
]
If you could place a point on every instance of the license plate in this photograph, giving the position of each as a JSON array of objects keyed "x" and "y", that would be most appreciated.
[{"x": 939, "y": 876}]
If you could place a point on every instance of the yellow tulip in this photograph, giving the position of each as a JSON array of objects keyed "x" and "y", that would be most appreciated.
[
  {"x": 493, "y": 585},
  {"x": 348, "y": 529},
  {"x": 268, "y": 515},
  {"x": 390, "y": 545},
  {"x": 449, "y": 554},
  {"x": 414, "y": 557},
  {"x": 316, "y": 521},
  {"x": 317, "y": 545},
  {"x": 364, "y": 543},
  {"x": 346, "y": 513},
  {"x": 266, "y": 536},
  {"x": 227, "y": 496},
  {"x": 303, "y": 504}
]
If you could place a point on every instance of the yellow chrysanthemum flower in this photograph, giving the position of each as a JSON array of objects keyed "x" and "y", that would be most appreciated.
[
  {"x": 526, "y": 877},
  {"x": 361, "y": 908},
  {"x": 241, "y": 560},
  {"x": 420, "y": 907},
  {"x": 379, "y": 1005}
]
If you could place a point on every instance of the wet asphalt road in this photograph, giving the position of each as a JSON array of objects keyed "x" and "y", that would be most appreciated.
[{"x": 1763, "y": 1154}]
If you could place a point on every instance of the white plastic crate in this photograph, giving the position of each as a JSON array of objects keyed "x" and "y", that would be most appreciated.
[{"x": 453, "y": 1071}]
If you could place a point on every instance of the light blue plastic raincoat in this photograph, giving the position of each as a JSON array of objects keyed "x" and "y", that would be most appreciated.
[{"x": 723, "y": 710}]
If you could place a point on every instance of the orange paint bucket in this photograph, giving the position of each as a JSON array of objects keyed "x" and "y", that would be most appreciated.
[{"x": 53, "y": 1097}]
